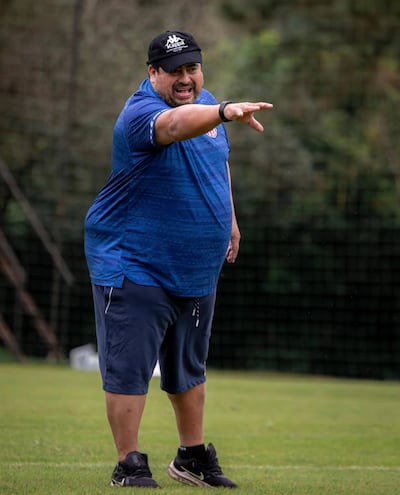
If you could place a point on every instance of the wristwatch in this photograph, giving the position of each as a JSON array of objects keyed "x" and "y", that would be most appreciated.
[{"x": 221, "y": 111}]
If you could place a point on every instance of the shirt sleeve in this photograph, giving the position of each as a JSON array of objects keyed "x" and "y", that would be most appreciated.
[{"x": 140, "y": 120}]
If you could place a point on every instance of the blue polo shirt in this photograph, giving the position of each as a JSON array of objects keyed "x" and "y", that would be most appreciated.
[{"x": 164, "y": 216}]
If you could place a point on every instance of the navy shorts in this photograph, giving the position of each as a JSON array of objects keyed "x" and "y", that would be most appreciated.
[{"x": 137, "y": 325}]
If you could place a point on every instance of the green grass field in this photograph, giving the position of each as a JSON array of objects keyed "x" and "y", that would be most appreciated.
[{"x": 275, "y": 434}]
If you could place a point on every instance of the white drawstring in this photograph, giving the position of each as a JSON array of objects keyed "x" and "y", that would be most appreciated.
[
  {"x": 196, "y": 311},
  {"x": 109, "y": 301}
]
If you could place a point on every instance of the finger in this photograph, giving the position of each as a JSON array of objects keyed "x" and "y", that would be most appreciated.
[
  {"x": 229, "y": 255},
  {"x": 255, "y": 124},
  {"x": 232, "y": 253},
  {"x": 265, "y": 105},
  {"x": 255, "y": 107},
  {"x": 231, "y": 258}
]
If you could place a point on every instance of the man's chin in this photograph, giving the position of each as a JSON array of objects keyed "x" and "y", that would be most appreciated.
[{"x": 183, "y": 101}]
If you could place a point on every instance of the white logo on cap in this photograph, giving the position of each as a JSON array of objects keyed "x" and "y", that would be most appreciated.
[{"x": 175, "y": 44}]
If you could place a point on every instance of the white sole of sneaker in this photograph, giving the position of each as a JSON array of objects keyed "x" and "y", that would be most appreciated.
[{"x": 185, "y": 477}]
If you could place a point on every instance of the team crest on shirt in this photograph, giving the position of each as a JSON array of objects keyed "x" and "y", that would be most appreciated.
[{"x": 212, "y": 133}]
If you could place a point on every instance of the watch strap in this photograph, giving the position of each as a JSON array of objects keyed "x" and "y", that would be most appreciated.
[{"x": 221, "y": 111}]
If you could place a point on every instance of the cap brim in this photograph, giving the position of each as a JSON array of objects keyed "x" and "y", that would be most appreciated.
[{"x": 169, "y": 64}]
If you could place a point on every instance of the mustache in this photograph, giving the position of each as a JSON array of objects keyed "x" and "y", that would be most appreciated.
[{"x": 184, "y": 86}]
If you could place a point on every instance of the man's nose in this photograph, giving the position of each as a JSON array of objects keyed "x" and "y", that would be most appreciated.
[{"x": 184, "y": 76}]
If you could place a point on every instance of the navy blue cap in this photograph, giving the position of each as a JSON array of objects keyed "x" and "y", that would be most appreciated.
[{"x": 172, "y": 49}]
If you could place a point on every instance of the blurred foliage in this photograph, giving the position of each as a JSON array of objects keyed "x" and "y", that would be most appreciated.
[
  {"x": 331, "y": 148},
  {"x": 67, "y": 67},
  {"x": 330, "y": 151},
  {"x": 317, "y": 194}
]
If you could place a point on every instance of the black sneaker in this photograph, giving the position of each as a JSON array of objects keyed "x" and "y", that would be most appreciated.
[
  {"x": 133, "y": 471},
  {"x": 199, "y": 472}
]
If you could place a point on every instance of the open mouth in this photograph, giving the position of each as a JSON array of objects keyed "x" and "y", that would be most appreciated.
[{"x": 184, "y": 92}]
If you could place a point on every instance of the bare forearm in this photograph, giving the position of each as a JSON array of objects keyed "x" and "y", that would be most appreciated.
[
  {"x": 188, "y": 121},
  {"x": 185, "y": 122},
  {"x": 234, "y": 243}
]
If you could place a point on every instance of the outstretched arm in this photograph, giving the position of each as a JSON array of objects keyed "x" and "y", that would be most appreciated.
[{"x": 188, "y": 121}]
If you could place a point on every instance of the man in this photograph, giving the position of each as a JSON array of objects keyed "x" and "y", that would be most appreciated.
[{"x": 156, "y": 237}]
